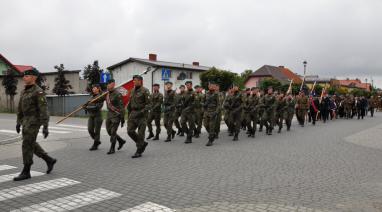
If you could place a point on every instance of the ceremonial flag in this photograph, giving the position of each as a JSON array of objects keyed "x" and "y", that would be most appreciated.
[{"x": 125, "y": 90}]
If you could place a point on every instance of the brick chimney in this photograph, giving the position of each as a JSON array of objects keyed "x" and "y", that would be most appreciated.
[
  {"x": 195, "y": 63},
  {"x": 153, "y": 57}
]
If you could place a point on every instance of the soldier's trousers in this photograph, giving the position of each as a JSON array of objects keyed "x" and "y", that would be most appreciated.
[
  {"x": 300, "y": 113},
  {"x": 94, "y": 127},
  {"x": 324, "y": 115},
  {"x": 134, "y": 123},
  {"x": 176, "y": 120},
  {"x": 218, "y": 122},
  {"x": 198, "y": 120},
  {"x": 371, "y": 111},
  {"x": 209, "y": 122},
  {"x": 288, "y": 116},
  {"x": 187, "y": 120},
  {"x": 251, "y": 121},
  {"x": 154, "y": 116},
  {"x": 236, "y": 121},
  {"x": 228, "y": 120},
  {"x": 111, "y": 128},
  {"x": 279, "y": 119},
  {"x": 30, "y": 146},
  {"x": 268, "y": 119},
  {"x": 313, "y": 116},
  {"x": 168, "y": 120}
]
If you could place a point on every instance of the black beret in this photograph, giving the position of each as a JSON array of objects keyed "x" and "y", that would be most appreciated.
[
  {"x": 197, "y": 86},
  {"x": 138, "y": 77},
  {"x": 96, "y": 85},
  {"x": 110, "y": 81},
  {"x": 212, "y": 82},
  {"x": 181, "y": 86},
  {"x": 253, "y": 88},
  {"x": 168, "y": 82},
  {"x": 156, "y": 84},
  {"x": 188, "y": 82},
  {"x": 247, "y": 89},
  {"x": 32, "y": 72}
]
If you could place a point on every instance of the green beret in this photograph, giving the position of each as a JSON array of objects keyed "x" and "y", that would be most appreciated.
[
  {"x": 96, "y": 85},
  {"x": 188, "y": 82},
  {"x": 138, "y": 77},
  {"x": 156, "y": 84},
  {"x": 110, "y": 81},
  {"x": 168, "y": 82},
  {"x": 212, "y": 83},
  {"x": 32, "y": 72},
  {"x": 197, "y": 86},
  {"x": 181, "y": 86}
]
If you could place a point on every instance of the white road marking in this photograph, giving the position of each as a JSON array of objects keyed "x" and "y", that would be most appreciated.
[
  {"x": 67, "y": 129},
  {"x": 23, "y": 190},
  {"x": 77, "y": 126},
  {"x": 58, "y": 132},
  {"x": 9, "y": 131},
  {"x": 9, "y": 177},
  {"x": 149, "y": 207},
  {"x": 6, "y": 167},
  {"x": 72, "y": 202}
]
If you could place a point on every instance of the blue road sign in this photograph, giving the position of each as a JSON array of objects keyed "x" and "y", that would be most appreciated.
[
  {"x": 166, "y": 73},
  {"x": 105, "y": 76}
]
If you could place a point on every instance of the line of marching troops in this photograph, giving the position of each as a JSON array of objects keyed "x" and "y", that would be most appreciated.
[
  {"x": 191, "y": 108},
  {"x": 240, "y": 109}
]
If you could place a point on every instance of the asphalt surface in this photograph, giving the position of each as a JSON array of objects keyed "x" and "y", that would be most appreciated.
[{"x": 328, "y": 167}]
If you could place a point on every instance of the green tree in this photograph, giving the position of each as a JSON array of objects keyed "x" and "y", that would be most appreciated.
[
  {"x": 40, "y": 81},
  {"x": 265, "y": 83},
  {"x": 92, "y": 73},
  {"x": 224, "y": 78},
  {"x": 10, "y": 85},
  {"x": 61, "y": 86}
]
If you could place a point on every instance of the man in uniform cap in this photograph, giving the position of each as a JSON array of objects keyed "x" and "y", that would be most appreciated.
[
  {"x": 187, "y": 118},
  {"x": 302, "y": 106},
  {"x": 115, "y": 116},
  {"x": 211, "y": 111},
  {"x": 199, "y": 98},
  {"x": 236, "y": 106},
  {"x": 178, "y": 109},
  {"x": 31, "y": 115},
  {"x": 95, "y": 116},
  {"x": 156, "y": 99},
  {"x": 137, "y": 108},
  {"x": 169, "y": 106}
]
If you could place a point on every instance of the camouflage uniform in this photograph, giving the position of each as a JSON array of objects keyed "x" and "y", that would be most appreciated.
[
  {"x": 236, "y": 106},
  {"x": 227, "y": 113},
  {"x": 115, "y": 116},
  {"x": 268, "y": 116},
  {"x": 302, "y": 104},
  {"x": 94, "y": 121},
  {"x": 211, "y": 111},
  {"x": 169, "y": 106},
  {"x": 289, "y": 112},
  {"x": 279, "y": 115},
  {"x": 199, "y": 98},
  {"x": 250, "y": 113},
  {"x": 260, "y": 113},
  {"x": 137, "y": 108},
  {"x": 187, "y": 119},
  {"x": 178, "y": 112},
  {"x": 155, "y": 113},
  {"x": 219, "y": 114}
]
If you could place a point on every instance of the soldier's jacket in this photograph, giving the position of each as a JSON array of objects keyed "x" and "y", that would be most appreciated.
[
  {"x": 211, "y": 103},
  {"x": 280, "y": 105},
  {"x": 169, "y": 103},
  {"x": 373, "y": 102},
  {"x": 236, "y": 103},
  {"x": 199, "y": 101},
  {"x": 156, "y": 100},
  {"x": 289, "y": 106},
  {"x": 114, "y": 103},
  {"x": 188, "y": 101},
  {"x": 269, "y": 102},
  {"x": 33, "y": 107},
  {"x": 249, "y": 103},
  {"x": 179, "y": 102},
  {"x": 302, "y": 103},
  {"x": 221, "y": 99},
  {"x": 94, "y": 109},
  {"x": 139, "y": 103}
]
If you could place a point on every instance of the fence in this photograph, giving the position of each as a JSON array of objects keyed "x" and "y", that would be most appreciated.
[{"x": 61, "y": 105}]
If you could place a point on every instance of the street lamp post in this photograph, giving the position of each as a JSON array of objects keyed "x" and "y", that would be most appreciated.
[{"x": 303, "y": 80}]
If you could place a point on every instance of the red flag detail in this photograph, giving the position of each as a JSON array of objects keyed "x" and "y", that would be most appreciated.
[{"x": 125, "y": 90}]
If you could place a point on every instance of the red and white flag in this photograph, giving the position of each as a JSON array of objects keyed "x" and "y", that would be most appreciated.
[{"x": 125, "y": 90}]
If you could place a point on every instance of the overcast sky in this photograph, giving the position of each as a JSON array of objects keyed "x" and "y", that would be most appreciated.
[{"x": 337, "y": 37}]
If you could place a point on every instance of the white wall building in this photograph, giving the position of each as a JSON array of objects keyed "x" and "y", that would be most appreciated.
[{"x": 179, "y": 72}]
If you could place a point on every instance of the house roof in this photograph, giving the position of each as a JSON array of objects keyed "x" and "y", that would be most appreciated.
[
  {"x": 279, "y": 73},
  {"x": 161, "y": 64},
  {"x": 18, "y": 68},
  {"x": 355, "y": 83}
]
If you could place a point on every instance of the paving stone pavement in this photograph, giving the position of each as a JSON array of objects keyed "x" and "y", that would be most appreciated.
[{"x": 306, "y": 169}]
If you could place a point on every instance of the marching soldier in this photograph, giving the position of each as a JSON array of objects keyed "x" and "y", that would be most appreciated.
[
  {"x": 268, "y": 117},
  {"x": 95, "y": 117},
  {"x": 137, "y": 115},
  {"x": 178, "y": 109},
  {"x": 211, "y": 111},
  {"x": 199, "y": 97},
  {"x": 314, "y": 109},
  {"x": 289, "y": 110},
  {"x": 227, "y": 111},
  {"x": 373, "y": 104},
  {"x": 325, "y": 107},
  {"x": 302, "y": 106},
  {"x": 255, "y": 110},
  {"x": 280, "y": 107},
  {"x": 236, "y": 106},
  {"x": 169, "y": 106},
  {"x": 219, "y": 115},
  {"x": 261, "y": 110},
  {"x": 32, "y": 114},
  {"x": 156, "y": 99},
  {"x": 245, "y": 116},
  {"x": 115, "y": 116},
  {"x": 187, "y": 118},
  {"x": 347, "y": 105}
]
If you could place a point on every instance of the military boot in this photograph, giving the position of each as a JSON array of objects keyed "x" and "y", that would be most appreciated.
[
  {"x": 236, "y": 137},
  {"x": 173, "y": 134},
  {"x": 270, "y": 131},
  {"x": 95, "y": 145},
  {"x": 156, "y": 137},
  {"x": 168, "y": 139},
  {"x": 230, "y": 133},
  {"x": 49, "y": 162},
  {"x": 188, "y": 139},
  {"x": 25, "y": 173},
  {"x": 210, "y": 142},
  {"x": 121, "y": 142},
  {"x": 150, "y": 135},
  {"x": 181, "y": 134},
  {"x": 112, "y": 149}
]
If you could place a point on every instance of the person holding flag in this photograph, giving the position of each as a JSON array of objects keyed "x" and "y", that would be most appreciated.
[
  {"x": 137, "y": 108},
  {"x": 115, "y": 115},
  {"x": 95, "y": 117}
]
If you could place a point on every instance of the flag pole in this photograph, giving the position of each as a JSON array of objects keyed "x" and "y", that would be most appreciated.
[{"x": 94, "y": 100}]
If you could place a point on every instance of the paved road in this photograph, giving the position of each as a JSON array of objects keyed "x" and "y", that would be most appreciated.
[{"x": 330, "y": 167}]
